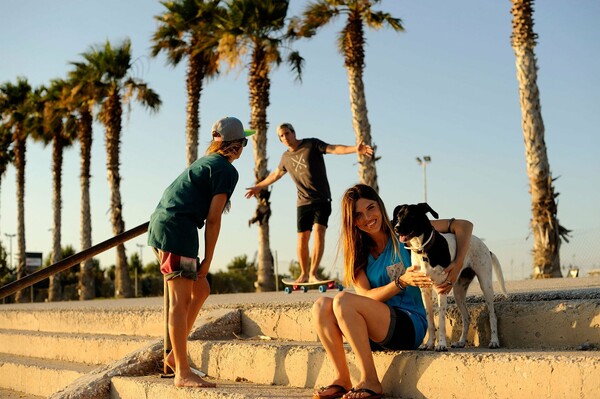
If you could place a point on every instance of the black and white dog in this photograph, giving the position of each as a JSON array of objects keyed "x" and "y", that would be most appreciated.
[{"x": 434, "y": 251}]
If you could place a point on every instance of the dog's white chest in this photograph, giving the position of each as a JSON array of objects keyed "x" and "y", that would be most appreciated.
[{"x": 434, "y": 271}]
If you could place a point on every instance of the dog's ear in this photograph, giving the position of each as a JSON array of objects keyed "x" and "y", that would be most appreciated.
[
  {"x": 395, "y": 214},
  {"x": 424, "y": 206}
]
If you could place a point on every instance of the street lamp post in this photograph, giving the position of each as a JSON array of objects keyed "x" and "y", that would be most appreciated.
[
  {"x": 423, "y": 162},
  {"x": 10, "y": 237}
]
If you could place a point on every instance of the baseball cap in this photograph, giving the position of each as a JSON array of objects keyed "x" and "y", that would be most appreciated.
[{"x": 230, "y": 128}]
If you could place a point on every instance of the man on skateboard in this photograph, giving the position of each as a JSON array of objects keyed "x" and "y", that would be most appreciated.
[{"x": 305, "y": 164}]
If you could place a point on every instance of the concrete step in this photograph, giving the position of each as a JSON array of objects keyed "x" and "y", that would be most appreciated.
[
  {"x": 523, "y": 320},
  {"x": 503, "y": 373},
  {"x": 79, "y": 348},
  {"x": 35, "y": 376},
  {"x": 94, "y": 320},
  {"x": 10, "y": 394},
  {"x": 154, "y": 387}
]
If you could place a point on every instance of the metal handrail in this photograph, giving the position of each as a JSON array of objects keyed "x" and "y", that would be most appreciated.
[{"x": 71, "y": 261}]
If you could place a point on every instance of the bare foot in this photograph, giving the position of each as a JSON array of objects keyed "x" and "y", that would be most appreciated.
[
  {"x": 332, "y": 390},
  {"x": 170, "y": 362},
  {"x": 192, "y": 380},
  {"x": 301, "y": 279},
  {"x": 314, "y": 279}
]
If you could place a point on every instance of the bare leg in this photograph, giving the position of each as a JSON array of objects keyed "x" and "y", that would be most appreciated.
[
  {"x": 200, "y": 291},
  {"x": 360, "y": 318},
  {"x": 331, "y": 337},
  {"x": 318, "y": 249},
  {"x": 303, "y": 257},
  {"x": 180, "y": 295}
]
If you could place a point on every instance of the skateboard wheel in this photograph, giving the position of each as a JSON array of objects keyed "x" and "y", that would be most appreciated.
[
  {"x": 288, "y": 290},
  {"x": 304, "y": 288},
  {"x": 322, "y": 288},
  {"x": 340, "y": 287}
]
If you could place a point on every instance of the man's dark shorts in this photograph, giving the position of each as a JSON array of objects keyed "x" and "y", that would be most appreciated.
[
  {"x": 401, "y": 334},
  {"x": 307, "y": 215}
]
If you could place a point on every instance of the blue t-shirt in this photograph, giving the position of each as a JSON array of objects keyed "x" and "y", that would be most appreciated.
[
  {"x": 184, "y": 205},
  {"x": 385, "y": 269}
]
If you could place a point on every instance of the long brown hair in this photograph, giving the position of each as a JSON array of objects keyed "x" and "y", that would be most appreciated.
[
  {"x": 228, "y": 149},
  {"x": 355, "y": 244}
]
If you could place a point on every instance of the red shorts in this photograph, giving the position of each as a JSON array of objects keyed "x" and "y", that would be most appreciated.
[{"x": 173, "y": 266}]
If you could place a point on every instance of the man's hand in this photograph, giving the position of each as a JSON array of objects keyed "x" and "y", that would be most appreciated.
[
  {"x": 364, "y": 149},
  {"x": 252, "y": 192}
]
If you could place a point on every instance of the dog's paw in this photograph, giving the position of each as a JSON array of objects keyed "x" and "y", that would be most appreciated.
[
  {"x": 441, "y": 348},
  {"x": 458, "y": 344},
  {"x": 494, "y": 345},
  {"x": 426, "y": 347}
]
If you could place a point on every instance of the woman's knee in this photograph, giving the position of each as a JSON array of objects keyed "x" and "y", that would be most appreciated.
[
  {"x": 342, "y": 302},
  {"x": 322, "y": 308}
]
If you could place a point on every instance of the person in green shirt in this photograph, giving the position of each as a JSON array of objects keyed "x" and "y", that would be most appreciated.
[{"x": 196, "y": 198}]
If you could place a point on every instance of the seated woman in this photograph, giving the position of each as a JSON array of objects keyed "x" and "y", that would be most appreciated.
[{"x": 387, "y": 311}]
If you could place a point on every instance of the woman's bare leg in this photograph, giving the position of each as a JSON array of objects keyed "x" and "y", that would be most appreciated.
[
  {"x": 359, "y": 318},
  {"x": 180, "y": 295},
  {"x": 331, "y": 337},
  {"x": 200, "y": 291}
]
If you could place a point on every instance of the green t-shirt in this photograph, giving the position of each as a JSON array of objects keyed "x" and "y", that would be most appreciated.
[{"x": 184, "y": 205}]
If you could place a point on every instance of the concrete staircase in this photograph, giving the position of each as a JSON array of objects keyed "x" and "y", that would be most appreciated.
[{"x": 113, "y": 349}]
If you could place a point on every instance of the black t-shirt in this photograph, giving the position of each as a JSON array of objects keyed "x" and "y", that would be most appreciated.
[{"x": 306, "y": 166}]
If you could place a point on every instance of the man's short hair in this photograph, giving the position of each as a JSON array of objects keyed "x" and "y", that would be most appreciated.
[{"x": 287, "y": 126}]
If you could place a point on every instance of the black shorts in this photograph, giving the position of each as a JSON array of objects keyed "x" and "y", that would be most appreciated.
[
  {"x": 307, "y": 215},
  {"x": 401, "y": 334}
]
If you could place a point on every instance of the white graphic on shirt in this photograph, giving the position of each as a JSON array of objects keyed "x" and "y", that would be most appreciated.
[
  {"x": 299, "y": 162},
  {"x": 396, "y": 270}
]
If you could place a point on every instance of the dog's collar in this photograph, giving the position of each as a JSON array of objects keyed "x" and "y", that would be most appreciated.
[{"x": 425, "y": 246}]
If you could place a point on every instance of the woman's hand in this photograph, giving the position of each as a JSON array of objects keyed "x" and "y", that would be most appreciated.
[
  {"x": 452, "y": 273},
  {"x": 415, "y": 277},
  {"x": 203, "y": 269}
]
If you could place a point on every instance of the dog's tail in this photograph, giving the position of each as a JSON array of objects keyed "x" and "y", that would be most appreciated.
[{"x": 498, "y": 271}]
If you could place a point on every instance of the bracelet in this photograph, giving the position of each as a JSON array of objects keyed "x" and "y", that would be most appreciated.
[
  {"x": 397, "y": 282},
  {"x": 450, "y": 224}
]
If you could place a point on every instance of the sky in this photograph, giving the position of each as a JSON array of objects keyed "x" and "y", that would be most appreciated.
[{"x": 446, "y": 87}]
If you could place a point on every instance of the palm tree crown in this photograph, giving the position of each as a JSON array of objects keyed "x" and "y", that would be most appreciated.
[{"x": 188, "y": 30}]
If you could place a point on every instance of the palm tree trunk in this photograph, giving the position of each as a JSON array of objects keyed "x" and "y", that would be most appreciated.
[
  {"x": 123, "y": 287},
  {"x": 195, "y": 76},
  {"x": 54, "y": 291},
  {"x": 20, "y": 149},
  {"x": 86, "y": 275},
  {"x": 355, "y": 62},
  {"x": 259, "y": 86},
  {"x": 367, "y": 171},
  {"x": 544, "y": 222}
]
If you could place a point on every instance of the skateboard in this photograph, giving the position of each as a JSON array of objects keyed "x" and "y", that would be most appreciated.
[{"x": 322, "y": 286}]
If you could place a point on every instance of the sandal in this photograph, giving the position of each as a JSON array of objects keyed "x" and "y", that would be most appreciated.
[
  {"x": 340, "y": 391},
  {"x": 371, "y": 394}
]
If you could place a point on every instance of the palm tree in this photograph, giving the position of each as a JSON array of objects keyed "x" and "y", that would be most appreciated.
[
  {"x": 110, "y": 67},
  {"x": 56, "y": 127},
  {"x": 6, "y": 153},
  {"x": 80, "y": 102},
  {"x": 187, "y": 30},
  {"x": 257, "y": 28},
  {"x": 14, "y": 110},
  {"x": 547, "y": 232},
  {"x": 352, "y": 45}
]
